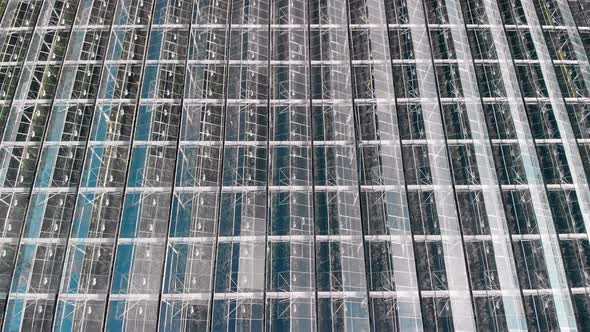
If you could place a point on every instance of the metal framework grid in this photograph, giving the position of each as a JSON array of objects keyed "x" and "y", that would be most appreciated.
[{"x": 294, "y": 165}]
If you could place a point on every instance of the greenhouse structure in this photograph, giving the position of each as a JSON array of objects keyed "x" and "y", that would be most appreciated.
[{"x": 294, "y": 165}]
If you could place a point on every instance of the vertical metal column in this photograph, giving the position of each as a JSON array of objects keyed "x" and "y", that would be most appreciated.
[{"x": 456, "y": 271}]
